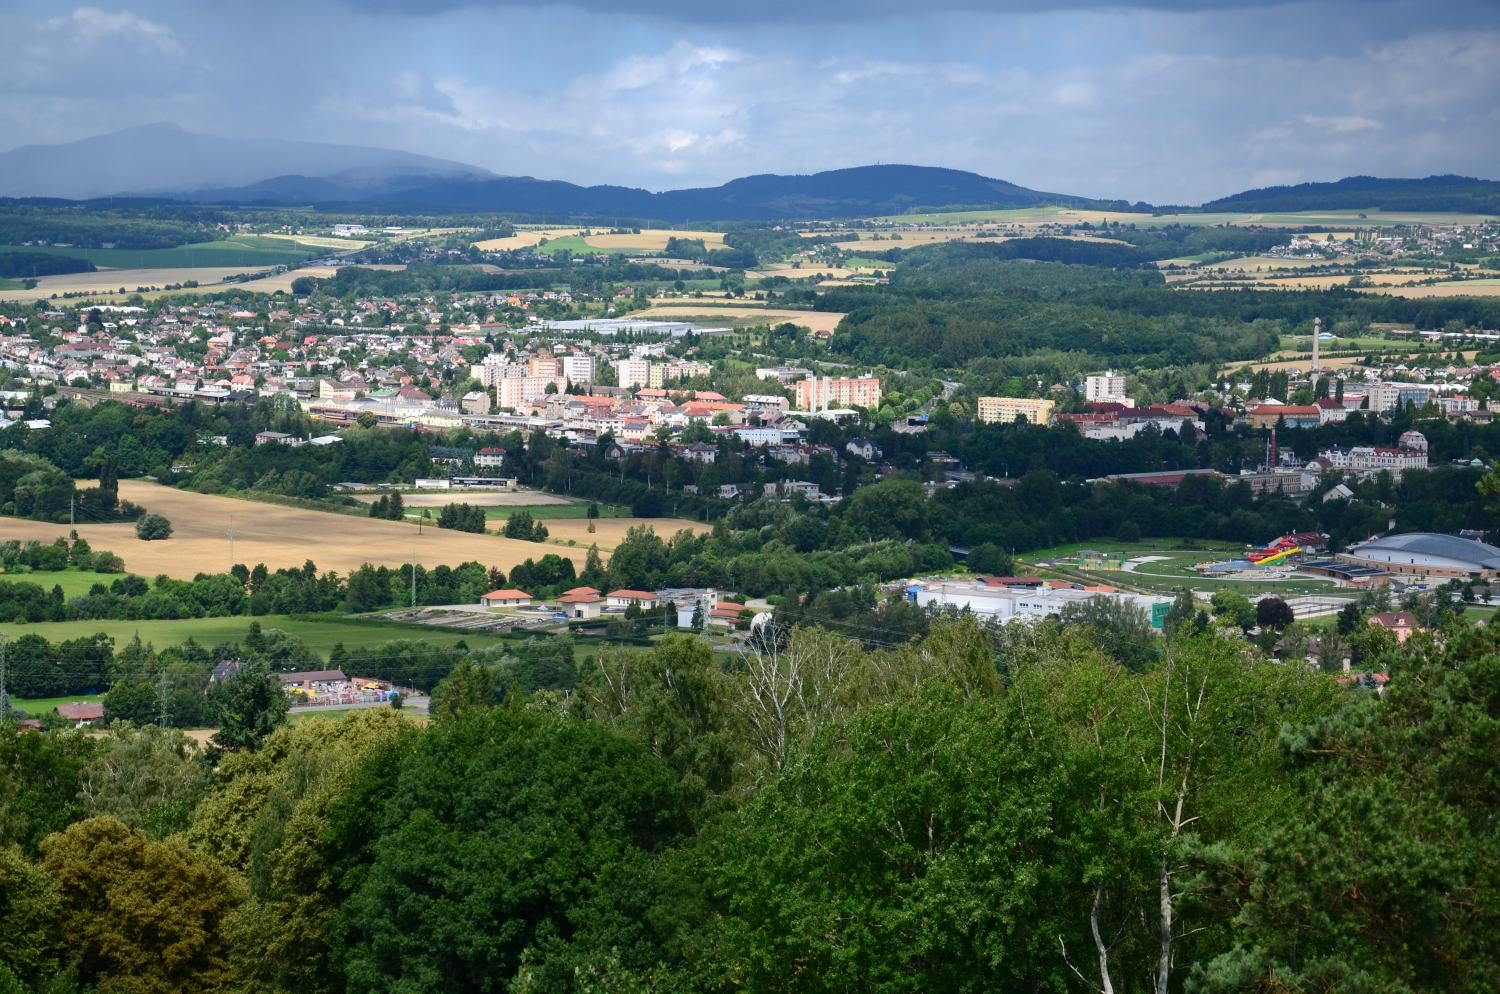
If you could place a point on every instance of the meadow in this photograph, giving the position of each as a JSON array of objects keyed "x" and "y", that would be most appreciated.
[
  {"x": 319, "y": 633},
  {"x": 74, "y": 582}
]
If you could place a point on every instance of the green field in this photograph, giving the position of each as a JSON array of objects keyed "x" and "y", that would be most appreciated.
[
  {"x": 320, "y": 635},
  {"x": 241, "y": 250},
  {"x": 38, "y": 706},
  {"x": 1173, "y": 573},
  {"x": 576, "y": 245},
  {"x": 74, "y": 583}
]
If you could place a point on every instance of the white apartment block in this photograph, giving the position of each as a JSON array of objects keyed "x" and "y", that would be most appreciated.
[
  {"x": 633, "y": 373},
  {"x": 1106, "y": 388},
  {"x": 820, "y": 393},
  {"x": 578, "y": 368}
]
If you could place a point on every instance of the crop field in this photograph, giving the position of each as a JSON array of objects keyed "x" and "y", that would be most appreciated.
[
  {"x": 1341, "y": 219},
  {"x": 810, "y": 271},
  {"x": 554, "y": 512},
  {"x": 274, "y": 535},
  {"x": 482, "y": 498},
  {"x": 323, "y": 242},
  {"x": 1456, "y": 288},
  {"x": 319, "y": 633},
  {"x": 609, "y": 532},
  {"x": 741, "y": 313},
  {"x": 525, "y": 239},
  {"x": 652, "y": 240},
  {"x": 110, "y": 281},
  {"x": 241, "y": 250}
]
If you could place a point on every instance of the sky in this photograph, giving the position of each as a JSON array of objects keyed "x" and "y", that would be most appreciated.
[{"x": 1167, "y": 101}]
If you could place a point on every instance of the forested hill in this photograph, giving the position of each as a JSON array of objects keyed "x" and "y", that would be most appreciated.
[
  {"x": 864, "y": 191},
  {"x": 1435, "y": 193}
]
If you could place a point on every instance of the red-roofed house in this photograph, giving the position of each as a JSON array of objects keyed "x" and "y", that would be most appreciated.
[
  {"x": 506, "y": 598},
  {"x": 1399, "y": 623},
  {"x": 625, "y": 598},
  {"x": 82, "y": 712}
]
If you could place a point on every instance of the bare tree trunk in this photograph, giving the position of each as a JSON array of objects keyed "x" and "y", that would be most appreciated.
[{"x": 1106, "y": 985}]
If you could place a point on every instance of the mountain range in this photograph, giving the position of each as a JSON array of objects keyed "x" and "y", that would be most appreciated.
[{"x": 162, "y": 161}]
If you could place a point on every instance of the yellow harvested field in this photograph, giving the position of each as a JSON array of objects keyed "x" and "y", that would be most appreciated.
[
  {"x": 653, "y": 239},
  {"x": 710, "y": 311},
  {"x": 323, "y": 241},
  {"x": 1251, "y": 263},
  {"x": 1301, "y": 364},
  {"x": 809, "y": 271},
  {"x": 283, "y": 281},
  {"x": 277, "y": 536},
  {"x": 110, "y": 280},
  {"x": 1457, "y": 288},
  {"x": 610, "y": 532},
  {"x": 526, "y": 239},
  {"x": 499, "y": 498}
]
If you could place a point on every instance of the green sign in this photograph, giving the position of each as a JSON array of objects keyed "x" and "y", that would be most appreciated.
[{"x": 1159, "y": 615}]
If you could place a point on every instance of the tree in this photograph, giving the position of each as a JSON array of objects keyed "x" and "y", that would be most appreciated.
[
  {"x": 38, "y": 783},
  {"x": 30, "y": 944},
  {"x": 150, "y": 778},
  {"x": 153, "y": 528},
  {"x": 1273, "y": 613},
  {"x": 1382, "y": 876},
  {"x": 467, "y": 687},
  {"x": 1120, "y": 628},
  {"x": 1349, "y": 618},
  {"x": 140, "y": 915},
  {"x": 249, "y": 706},
  {"x": 1234, "y": 608},
  {"x": 511, "y": 838}
]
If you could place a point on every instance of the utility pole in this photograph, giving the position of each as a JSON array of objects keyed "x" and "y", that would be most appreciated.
[
  {"x": 414, "y": 579},
  {"x": 231, "y": 540},
  {"x": 163, "y": 689},
  {"x": 72, "y": 504},
  {"x": 4, "y": 697}
]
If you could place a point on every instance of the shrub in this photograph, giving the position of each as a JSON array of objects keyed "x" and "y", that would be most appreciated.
[{"x": 153, "y": 527}]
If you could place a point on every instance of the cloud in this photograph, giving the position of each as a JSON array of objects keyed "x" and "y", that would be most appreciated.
[
  {"x": 1340, "y": 125},
  {"x": 92, "y": 25},
  {"x": 764, "y": 11}
]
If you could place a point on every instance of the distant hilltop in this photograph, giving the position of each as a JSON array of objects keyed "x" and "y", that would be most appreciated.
[
  {"x": 162, "y": 161},
  {"x": 1435, "y": 193}
]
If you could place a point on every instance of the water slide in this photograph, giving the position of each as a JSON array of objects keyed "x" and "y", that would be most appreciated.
[{"x": 1277, "y": 557}]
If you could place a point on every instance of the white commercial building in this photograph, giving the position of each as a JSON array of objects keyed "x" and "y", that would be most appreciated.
[{"x": 1027, "y": 603}]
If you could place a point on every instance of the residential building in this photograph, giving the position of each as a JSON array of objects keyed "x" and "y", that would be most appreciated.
[
  {"x": 820, "y": 393},
  {"x": 633, "y": 372},
  {"x": 1006, "y": 410},
  {"x": 578, "y": 369},
  {"x": 1106, "y": 388}
]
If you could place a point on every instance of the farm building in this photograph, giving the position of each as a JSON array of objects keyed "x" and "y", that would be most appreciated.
[
  {"x": 82, "y": 713},
  {"x": 582, "y": 604},
  {"x": 506, "y": 598}
]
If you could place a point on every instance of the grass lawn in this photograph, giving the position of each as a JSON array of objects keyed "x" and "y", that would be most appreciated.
[
  {"x": 74, "y": 582},
  {"x": 243, "y": 250},
  {"x": 1175, "y": 571},
  {"x": 320, "y": 635},
  {"x": 11, "y": 285},
  {"x": 38, "y": 706}
]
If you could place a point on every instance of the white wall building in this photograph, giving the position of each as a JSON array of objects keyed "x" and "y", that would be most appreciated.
[
  {"x": 1106, "y": 388},
  {"x": 1027, "y": 604}
]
